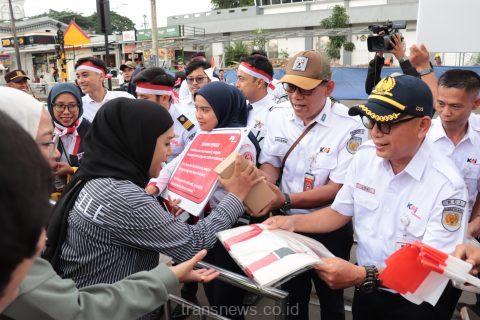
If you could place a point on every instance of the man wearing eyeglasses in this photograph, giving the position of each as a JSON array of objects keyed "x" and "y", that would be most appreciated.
[
  {"x": 311, "y": 168},
  {"x": 198, "y": 73},
  {"x": 399, "y": 190}
]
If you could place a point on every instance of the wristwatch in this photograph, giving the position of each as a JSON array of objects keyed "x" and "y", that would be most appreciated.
[
  {"x": 287, "y": 205},
  {"x": 424, "y": 72},
  {"x": 402, "y": 59},
  {"x": 371, "y": 282}
]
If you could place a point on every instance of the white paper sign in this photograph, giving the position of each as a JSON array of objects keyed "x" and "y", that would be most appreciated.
[
  {"x": 194, "y": 180},
  {"x": 449, "y": 26}
]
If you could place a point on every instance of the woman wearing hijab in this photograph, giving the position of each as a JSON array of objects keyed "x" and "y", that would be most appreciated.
[
  {"x": 218, "y": 105},
  {"x": 43, "y": 295},
  {"x": 114, "y": 227},
  {"x": 65, "y": 107}
]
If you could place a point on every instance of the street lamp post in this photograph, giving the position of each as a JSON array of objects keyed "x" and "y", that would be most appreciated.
[
  {"x": 15, "y": 40},
  {"x": 154, "y": 33}
]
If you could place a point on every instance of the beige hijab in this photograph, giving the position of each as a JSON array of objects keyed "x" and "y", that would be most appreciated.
[{"x": 22, "y": 107}]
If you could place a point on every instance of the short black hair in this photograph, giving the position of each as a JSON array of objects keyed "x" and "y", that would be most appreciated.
[
  {"x": 155, "y": 75},
  {"x": 260, "y": 62},
  {"x": 95, "y": 61},
  {"x": 24, "y": 206},
  {"x": 461, "y": 79},
  {"x": 194, "y": 65},
  {"x": 259, "y": 53}
]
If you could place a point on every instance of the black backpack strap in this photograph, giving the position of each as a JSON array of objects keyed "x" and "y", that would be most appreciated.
[{"x": 58, "y": 224}]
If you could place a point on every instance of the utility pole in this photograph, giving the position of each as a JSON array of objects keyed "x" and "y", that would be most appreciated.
[
  {"x": 103, "y": 20},
  {"x": 154, "y": 33},
  {"x": 15, "y": 40}
]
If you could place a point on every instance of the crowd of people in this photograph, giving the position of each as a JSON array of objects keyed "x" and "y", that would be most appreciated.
[{"x": 384, "y": 171}]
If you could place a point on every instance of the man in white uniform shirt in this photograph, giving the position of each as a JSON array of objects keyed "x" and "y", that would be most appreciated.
[
  {"x": 196, "y": 78},
  {"x": 254, "y": 75},
  {"x": 398, "y": 189},
  {"x": 309, "y": 147},
  {"x": 456, "y": 133},
  {"x": 156, "y": 85},
  {"x": 90, "y": 77}
]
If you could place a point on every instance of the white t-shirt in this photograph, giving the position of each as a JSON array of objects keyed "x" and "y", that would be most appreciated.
[{"x": 90, "y": 107}]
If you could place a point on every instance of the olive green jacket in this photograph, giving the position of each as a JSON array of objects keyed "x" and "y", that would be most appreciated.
[{"x": 45, "y": 296}]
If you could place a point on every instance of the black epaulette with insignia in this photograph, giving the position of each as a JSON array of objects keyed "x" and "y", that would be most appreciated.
[{"x": 185, "y": 122}]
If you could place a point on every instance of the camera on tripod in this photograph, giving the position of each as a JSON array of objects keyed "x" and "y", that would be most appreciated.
[{"x": 381, "y": 43}]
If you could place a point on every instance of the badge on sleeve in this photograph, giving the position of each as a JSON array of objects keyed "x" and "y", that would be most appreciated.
[
  {"x": 355, "y": 140},
  {"x": 452, "y": 214}
]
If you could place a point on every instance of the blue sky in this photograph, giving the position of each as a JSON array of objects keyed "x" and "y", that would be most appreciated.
[{"x": 134, "y": 9}]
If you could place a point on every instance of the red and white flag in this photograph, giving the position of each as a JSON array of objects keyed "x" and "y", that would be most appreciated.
[{"x": 421, "y": 273}]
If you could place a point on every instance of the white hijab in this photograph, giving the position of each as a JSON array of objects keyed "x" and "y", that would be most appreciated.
[{"x": 21, "y": 107}]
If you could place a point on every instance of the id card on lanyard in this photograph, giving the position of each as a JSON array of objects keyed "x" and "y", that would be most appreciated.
[{"x": 308, "y": 181}]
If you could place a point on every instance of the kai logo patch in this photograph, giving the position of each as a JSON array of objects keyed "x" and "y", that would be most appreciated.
[
  {"x": 324, "y": 150},
  {"x": 300, "y": 64},
  {"x": 472, "y": 160}
]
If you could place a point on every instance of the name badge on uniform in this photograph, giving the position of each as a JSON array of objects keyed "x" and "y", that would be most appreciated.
[{"x": 308, "y": 181}]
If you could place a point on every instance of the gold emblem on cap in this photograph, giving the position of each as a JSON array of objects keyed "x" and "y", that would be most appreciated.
[
  {"x": 18, "y": 73},
  {"x": 376, "y": 117},
  {"x": 385, "y": 86}
]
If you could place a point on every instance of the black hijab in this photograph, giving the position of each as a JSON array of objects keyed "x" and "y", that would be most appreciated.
[
  {"x": 122, "y": 139},
  {"x": 227, "y": 102},
  {"x": 120, "y": 144}
]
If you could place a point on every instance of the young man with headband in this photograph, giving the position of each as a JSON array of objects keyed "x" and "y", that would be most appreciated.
[
  {"x": 156, "y": 85},
  {"x": 255, "y": 75},
  {"x": 90, "y": 76}
]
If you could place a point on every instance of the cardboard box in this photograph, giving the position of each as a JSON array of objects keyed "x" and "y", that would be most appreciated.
[{"x": 259, "y": 196}]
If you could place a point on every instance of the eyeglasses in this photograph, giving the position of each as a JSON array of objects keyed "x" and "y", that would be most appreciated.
[
  {"x": 384, "y": 127},
  {"x": 61, "y": 107},
  {"x": 190, "y": 80},
  {"x": 290, "y": 88}
]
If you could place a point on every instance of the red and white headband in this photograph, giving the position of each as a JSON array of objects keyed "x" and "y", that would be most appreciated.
[
  {"x": 156, "y": 89},
  {"x": 89, "y": 66},
  {"x": 255, "y": 72}
]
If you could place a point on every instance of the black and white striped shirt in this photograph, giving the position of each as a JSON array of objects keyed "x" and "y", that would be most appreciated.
[{"x": 115, "y": 229}]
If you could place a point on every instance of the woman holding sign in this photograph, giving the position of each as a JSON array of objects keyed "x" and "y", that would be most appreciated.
[
  {"x": 218, "y": 105},
  {"x": 116, "y": 229}
]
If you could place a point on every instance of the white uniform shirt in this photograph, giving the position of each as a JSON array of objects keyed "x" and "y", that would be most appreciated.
[
  {"x": 187, "y": 105},
  {"x": 325, "y": 152},
  {"x": 278, "y": 94},
  {"x": 258, "y": 116},
  {"x": 90, "y": 107},
  {"x": 184, "y": 129},
  {"x": 427, "y": 201},
  {"x": 465, "y": 155}
]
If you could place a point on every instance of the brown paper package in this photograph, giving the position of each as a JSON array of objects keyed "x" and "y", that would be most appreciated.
[{"x": 259, "y": 196}]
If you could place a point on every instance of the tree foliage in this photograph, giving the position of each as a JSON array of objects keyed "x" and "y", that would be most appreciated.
[
  {"x": 338, "y": 19},
  {"x": 260, "y": 39},
  {"x": 227, "y": 4},
  {"x": 234, "y": 53},
  {"x": 89, "y": 23}
]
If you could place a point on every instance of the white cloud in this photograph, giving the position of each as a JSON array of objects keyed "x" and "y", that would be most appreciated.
[{"x": 134, "y": 9}]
